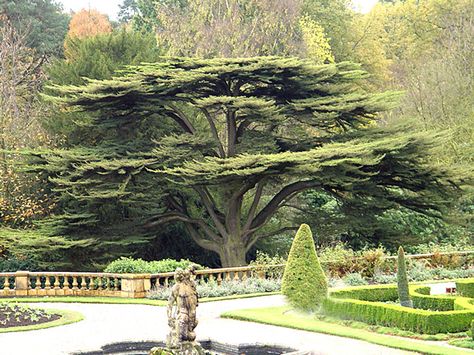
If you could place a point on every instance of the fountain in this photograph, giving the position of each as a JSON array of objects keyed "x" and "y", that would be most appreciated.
[{"x": 182, "y": 320}]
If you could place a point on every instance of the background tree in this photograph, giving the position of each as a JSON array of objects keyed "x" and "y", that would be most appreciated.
[
  {"x": 245, "y": 137},
  {"x": 21, "y": 76},
  {"x": 88, "y": 23},
  {"x": 42, "y": 22},
  {"x": 236, "y": 28}
]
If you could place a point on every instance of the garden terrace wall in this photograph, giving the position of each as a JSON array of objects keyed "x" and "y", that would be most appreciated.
[
  {"x": 366, "y": 304},
  {"x": 34, "y": 284},
  {"x": 215, "y": 275},
  {"x": 37, "y": 284}
]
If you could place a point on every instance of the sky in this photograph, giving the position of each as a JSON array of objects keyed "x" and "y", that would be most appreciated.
[{"x": 111, "y": 7}]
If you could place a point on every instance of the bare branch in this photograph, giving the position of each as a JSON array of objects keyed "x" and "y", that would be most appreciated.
[
  {"x": 255, "y": 238},
  {"x": 281, "y": 196},
  {"x": 214, "y": 133},
  {"x": 180, "y": 117},
  {"x": 211, "y": 208}
]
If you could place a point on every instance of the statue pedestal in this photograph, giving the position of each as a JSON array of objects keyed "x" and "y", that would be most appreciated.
[{"x": 185, "y": 348}]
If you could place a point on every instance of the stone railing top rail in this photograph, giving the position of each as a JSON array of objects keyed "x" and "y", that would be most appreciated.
[{"x": 73, "y": 274}]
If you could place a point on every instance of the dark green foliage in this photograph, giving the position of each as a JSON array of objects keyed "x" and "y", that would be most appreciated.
[
  {"x": 14, "y": 264},
  {"x": 364, "y": 304},
  {"x": 368, "y": 293},
  {"x": 98, "y": 57},
  {"x": 472, "y": 329},
  {"x": 138, "y": 266},
  {"x": 402, "y": 280},
  {"x": 422, "y": 300},
  {"x": 42, "y": 21},
  {"x": 465, "y": 287},
  {"x": 416, "y": 320},
  {"x": 219, "y": 146},
  {"x": 304, "y": 283}
]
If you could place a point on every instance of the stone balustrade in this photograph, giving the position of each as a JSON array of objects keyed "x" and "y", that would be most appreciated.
[
  {"x": 216, "y": 275},
  {"x": 37, "y": 284}
]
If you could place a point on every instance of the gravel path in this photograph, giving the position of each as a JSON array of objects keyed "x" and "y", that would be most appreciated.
[{"x": 109, "y": 323}]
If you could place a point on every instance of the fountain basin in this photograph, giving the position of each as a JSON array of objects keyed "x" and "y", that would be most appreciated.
[{"x": 214, "y": 348}]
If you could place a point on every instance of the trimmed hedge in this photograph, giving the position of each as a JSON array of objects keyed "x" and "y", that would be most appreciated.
[
  {"x": 415, "y": 320},
  {"x": 368, "y": 293},
  {"x": 422, "y": 299},
  {"x": 452, "y": 314},
  {"x": 465, "y": 287}
]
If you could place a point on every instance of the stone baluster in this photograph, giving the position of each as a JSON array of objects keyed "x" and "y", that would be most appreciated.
[
  {"x": 38, "y": 283},
  {"x": 236, "y": 276},
  {"x": 56, "y": 282},
  {"x": 74, "y": 283},
  {"x": 116, "y": 284},
  {"x": 227, "y": 276},
  {"x": 107, "y": 285},
  {"x": 244, "y": 275},
  {"x": 47, "y": 284},
  {"x": 6, "y": 284},
  {"x": 166, "y": 283},
  {"x": 99, "y": 283},
  {"x": 219, "y": 278},
  {"x": 84, "y": 283},
  {"x": 211, "y": 278}
]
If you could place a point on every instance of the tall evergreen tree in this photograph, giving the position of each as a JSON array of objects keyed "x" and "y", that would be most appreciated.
[
  {"x": 238, "y": 139},
  {"x": 43, "y": 22}
]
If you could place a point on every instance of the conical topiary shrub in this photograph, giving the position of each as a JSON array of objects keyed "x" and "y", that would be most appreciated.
[
  {"x": 402, "y": 280},
  {"x": 304, "y": 283}
]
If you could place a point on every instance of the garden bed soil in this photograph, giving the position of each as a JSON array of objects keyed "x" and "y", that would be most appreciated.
[{"x": 22, "y": 317}]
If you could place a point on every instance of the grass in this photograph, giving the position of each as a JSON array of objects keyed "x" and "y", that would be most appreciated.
[
  {"x": 463, "y": 343},
  {"x": 281, "y": 316},
  {"x": 67, "y": 317},
  {"x": 390, "y": 330}
]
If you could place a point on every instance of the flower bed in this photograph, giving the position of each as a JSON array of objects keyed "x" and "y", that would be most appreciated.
[
  {"x": 434, "y": 314},
  {"x": 13, "y": 315}
]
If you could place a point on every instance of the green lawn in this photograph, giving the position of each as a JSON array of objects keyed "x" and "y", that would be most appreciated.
[{"x": 281, "y": 316}]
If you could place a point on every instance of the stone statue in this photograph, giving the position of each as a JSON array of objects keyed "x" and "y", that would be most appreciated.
[{"x": 182, "y": 318}]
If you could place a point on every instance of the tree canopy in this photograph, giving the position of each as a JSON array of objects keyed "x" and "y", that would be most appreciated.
[
  {"x": 244, "y": 137},
  {"x": 42, "y": 21}
]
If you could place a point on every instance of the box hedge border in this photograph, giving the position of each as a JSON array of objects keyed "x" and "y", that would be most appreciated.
[
  {"x": 465, "y": 287},
  {"x": 434, "y": 314}
]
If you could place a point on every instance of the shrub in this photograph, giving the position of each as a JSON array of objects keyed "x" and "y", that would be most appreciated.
[
  {"x": 139, "y": 266},
  {"x": 380, "y": 278},
  {"x": 415, "y": 320},
  {"x": 472, "y": 329},
  {"x": 418, "y": 271},
  {"x": 465, "y": 287},
  {"x": 402, "y": 280},
  {"x": 422, "y": 299},
  {"x": 338, "y": 261},
  {"x": 381, "y": 293},
  {"x": 227, "y": 288},
  {"x": 304, "y": 283},
  {"x": 270, "y": 266},
  {"x": 354, "y": 279},
  {"x": 371, "y": 261}
]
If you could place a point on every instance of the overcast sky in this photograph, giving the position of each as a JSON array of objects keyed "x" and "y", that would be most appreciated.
[{"x": 111, "y": 7}]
